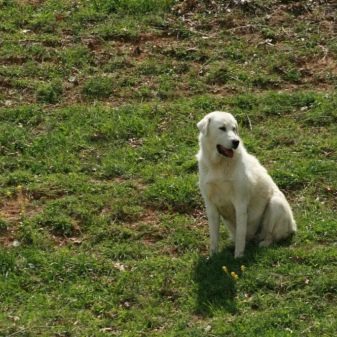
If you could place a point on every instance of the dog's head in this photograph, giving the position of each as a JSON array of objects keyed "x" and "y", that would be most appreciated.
[{"x": 219, "y": 131}]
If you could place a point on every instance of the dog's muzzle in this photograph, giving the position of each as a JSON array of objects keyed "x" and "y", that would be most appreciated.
[
  {"x": 224, "y": 151},
  {"x": 228, "y": 152}
]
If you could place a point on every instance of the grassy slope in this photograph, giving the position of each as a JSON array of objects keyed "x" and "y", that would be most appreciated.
[{"x": 102, "y": 229}]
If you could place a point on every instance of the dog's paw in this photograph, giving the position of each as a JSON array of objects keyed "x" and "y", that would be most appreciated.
[
  {"x": 265, "y": 243},
  {"x": 237, "y": 255}
]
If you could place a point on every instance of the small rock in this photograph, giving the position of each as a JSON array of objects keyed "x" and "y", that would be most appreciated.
[
  {"x": 73, "y": 79},
  {"x": 208, "y": 328},
  {"x": 16, "y": 243}
]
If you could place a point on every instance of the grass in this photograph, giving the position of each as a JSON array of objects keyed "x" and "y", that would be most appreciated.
[{"x": 102, "y": 227}]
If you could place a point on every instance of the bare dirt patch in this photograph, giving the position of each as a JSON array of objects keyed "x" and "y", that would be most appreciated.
[{"x": 12, "y": 211}]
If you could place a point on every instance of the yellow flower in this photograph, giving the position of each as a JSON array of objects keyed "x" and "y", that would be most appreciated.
[
  {"x": 243, "y": 268},
  {"x": 224, "y": 268},
  {"x": 234, "y": 275}
]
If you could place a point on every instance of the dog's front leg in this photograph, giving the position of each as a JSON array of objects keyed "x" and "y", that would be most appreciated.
[
  {"x": 213, "y": 225},
  {"x": 240, "y": 231}
]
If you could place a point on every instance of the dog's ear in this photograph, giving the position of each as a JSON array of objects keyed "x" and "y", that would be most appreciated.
[{"x": 203, "y": 125}]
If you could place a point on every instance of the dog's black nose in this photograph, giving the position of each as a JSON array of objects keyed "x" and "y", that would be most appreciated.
[{"x": 235, "y": 143}]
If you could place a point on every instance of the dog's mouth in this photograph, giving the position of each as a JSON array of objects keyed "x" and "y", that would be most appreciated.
[{"x": 224, "y": 151}]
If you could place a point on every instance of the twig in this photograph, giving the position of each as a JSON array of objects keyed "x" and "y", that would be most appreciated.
[
  {"x": 249, "y": 123},
  {"x": 325, "y": 51}
]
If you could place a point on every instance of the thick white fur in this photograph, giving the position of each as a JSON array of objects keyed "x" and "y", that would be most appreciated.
[{"x": 238, "y": 189}]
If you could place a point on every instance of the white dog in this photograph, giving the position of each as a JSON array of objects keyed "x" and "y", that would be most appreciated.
[{"x": 238, "y": 188}]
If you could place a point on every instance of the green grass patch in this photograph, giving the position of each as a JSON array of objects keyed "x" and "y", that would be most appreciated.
[
  {"x": 49, "y": 93},
  {"x": 98, "y": 87},
  {"x": 102, "y": 226}
]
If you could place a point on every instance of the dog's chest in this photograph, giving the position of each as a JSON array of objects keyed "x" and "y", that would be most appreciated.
[
  {"x": 219, "y": 191},
  {"x": 217, "y": 185}
]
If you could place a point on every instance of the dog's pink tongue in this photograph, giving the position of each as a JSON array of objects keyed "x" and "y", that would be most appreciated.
[
  {"x": 225, "y": 152},
  {"x": 229, "y": 153}
]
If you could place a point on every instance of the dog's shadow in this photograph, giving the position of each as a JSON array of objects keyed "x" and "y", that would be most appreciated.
[{"x": 216, "y": 288}]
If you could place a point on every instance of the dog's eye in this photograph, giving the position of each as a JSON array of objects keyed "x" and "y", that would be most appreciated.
[
  {"x": 234, "y": 129},
  {"x": 223, "y": 128}
]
